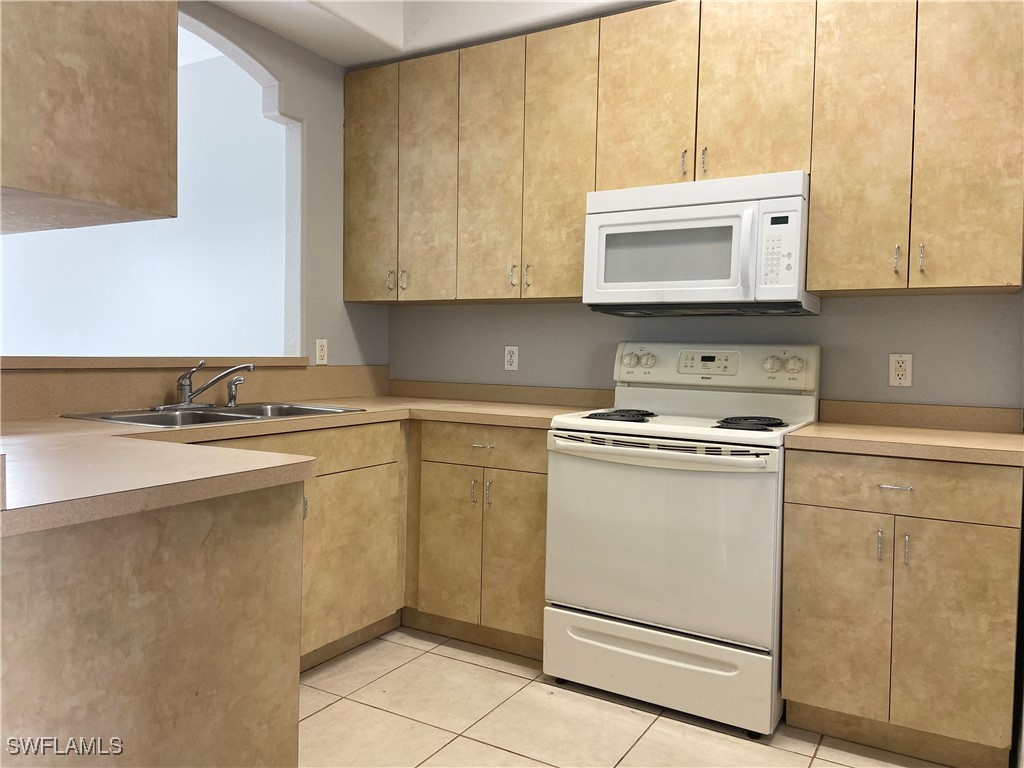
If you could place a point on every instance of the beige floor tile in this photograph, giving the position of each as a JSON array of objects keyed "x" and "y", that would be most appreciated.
[
  {"x": 682, "y": 745},
  {"x": 562, "y": 727},
  {"x": 819, "y": 763},
  {"x": 785, "y": 736},
  {"x": 488, "y": 657},
  {"x": 360, "y": 666},
  {"x": 586, "y": 690},
  {"x": 466, "y": 753},
  {"x": 312, "y": 700},
  {"x": 860, "y": 756},
  {"x": 351, "y": 734},
  {"x": 441, "y": 691},
  {"x": 414, "y": 638}
]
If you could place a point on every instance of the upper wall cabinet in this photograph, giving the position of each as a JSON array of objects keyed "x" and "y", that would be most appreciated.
[
  {"x": 647, "y": 104},
  {"x": 559, "y": 156},
  {"x": 756, "y": 87},
  {"x": 491, "y": 109},
  {"x": 89, "y": 105},
  {"x": 371, "y": 184}
]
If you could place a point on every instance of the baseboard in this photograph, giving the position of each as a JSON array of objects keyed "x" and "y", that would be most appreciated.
[
  {"x": 531, "y": 647},
  {"x": 347, "y": 643}
]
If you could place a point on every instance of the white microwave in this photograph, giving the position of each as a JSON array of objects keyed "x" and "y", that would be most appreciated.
[{"x": 732, "y": 246}]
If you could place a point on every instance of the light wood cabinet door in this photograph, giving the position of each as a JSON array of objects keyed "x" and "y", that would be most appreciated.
[
  {"x": 491, "y": 108},
  {"x": 351, "y": 564},
  {"x": 837, "y": 609},
  {"x": 559, "y": 157},
  {"x": 514, "y": 526},
  {"x": 371, "y": 184},
  {"x": 451, "y": 497},
  {"x": 756, "y": 87},
  {"x": 428, "y": 176},
  {"x": 968, "y": 196},
  {"x": 861, "y": 152},
  {"x": 954, "y": 629},
  {"x": 647, "y": 102}
]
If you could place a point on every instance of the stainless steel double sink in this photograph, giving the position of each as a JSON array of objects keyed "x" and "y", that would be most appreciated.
[{"x": 186, "y": 417}]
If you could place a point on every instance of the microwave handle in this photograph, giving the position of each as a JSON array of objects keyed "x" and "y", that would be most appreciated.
[{"x": 748, "y": 249}]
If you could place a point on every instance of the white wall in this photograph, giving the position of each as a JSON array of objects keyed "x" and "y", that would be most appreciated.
[
  {"x": 967, "y": 349},
  {"x": 210, "y": 282}
]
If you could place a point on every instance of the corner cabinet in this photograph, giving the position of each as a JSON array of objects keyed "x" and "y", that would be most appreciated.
[{"x": 900, "y": 582}]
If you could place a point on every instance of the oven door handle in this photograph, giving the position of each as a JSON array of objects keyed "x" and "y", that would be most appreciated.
[{"x": 657, "y": 458}]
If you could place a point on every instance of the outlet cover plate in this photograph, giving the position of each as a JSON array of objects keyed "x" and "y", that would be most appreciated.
[
  {"x": 901, "y": 369},
  {"x": 512, "y": 358},
  {"x": 321, "y": 351}
]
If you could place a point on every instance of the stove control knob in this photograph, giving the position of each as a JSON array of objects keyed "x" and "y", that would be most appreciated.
[
  {"x": 772, "y": 364},
  {"x": 794, "y": 364},
  {"x": 630, "y": 359},
  {"x": 648, "y": 360}
]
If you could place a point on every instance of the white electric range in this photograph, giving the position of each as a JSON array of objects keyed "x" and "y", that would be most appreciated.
[{"x": 664, "y": 528}]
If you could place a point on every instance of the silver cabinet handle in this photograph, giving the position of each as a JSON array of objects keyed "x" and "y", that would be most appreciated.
[
  {"x": 511, "y": 276},
  {"x": 896, "y": 260},
  {"x": 472, "y": 490},
  {"x": 887, "y": 487},
  {"x": 487, "y": 491},
  {"x": 920, "y": 257},
  {"x": 704, "y": 160},
  {"x": 878, "y": 546},
  {"x": 682, "y": 163},
  {"x": 482, "y": 445},
  {"x": 390, "y": 280},
  {"x": 526, "y": 275},
  {"x": 906, "y": 549},
  {"x": 401, "y": 279},
  {"x": 305, "y": 507}
]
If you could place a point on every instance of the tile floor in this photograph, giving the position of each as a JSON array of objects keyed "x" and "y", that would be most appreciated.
[{"x": 411, "y": 698}]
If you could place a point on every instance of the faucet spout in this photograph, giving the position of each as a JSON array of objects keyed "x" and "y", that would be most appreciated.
[
  {"x": 219, "y": 377},
  {"x": 185, "y": 391}
]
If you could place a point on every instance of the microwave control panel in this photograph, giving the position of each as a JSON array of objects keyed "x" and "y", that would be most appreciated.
[{"x": 779, "y": 252}]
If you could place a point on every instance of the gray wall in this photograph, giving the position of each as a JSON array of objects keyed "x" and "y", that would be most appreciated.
[{"x": 968, "y": 350}]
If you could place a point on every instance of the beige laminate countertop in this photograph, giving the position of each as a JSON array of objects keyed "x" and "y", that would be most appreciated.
[
  {"x": 66, "y": 471},
  {"x": 1005, "y": 449}
]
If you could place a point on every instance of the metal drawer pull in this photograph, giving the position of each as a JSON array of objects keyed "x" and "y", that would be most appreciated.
[
  {"x": 487, "y": 491},
  {"x": 511, "y": 279},
  {"x": 526, "y": 275},
  {"x": 472, "y": 490},
  {"x": 401, "y": 279},
  {"x": 906, "y": 549},
  {"x": 887, "y": 487},
  {"x": 896, "y": 260},
  {"x": 682, "y": 163},
  {"x": 920, "y": 257},
  {"x": 704, "y": 160},
  {"x": 481, "y": 445},
  {"x": 879, "y": 545},
  {"x": 390, "y": 280},
  {"x": 305, "y": 507}
]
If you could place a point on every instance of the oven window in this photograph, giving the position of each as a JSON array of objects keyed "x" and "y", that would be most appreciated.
[{"x": 668, "y": 255}]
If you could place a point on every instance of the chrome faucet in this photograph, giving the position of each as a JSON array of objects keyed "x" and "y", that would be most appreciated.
[
  {"x": 185, "y": 391},
  {"x": 233, "y": 390}
]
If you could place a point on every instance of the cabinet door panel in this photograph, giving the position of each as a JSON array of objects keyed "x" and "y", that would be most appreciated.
[
  {"x": 428, "y": 175},
  {"x": 968, "y": 198},
  {"x": 954, "y": 629},
  {"x": 756, "y": 86},
  {"x": 515, "y": 515},
  {"x": 450, "y": 535},
  {"x": 862, "y": 145},
  {"x": 837, "y": 609},
  {"x": 371, "y": 183},
  {"x": 647, "y": 105},
  {"x": 559, "y": 157},
  {"x": 351, "y": 574},
  {"x": 492, "y": 79}
]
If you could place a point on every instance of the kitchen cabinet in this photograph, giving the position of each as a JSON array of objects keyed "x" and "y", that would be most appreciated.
[
  {"x": 371, "y": 184},
  {"x": 647, "y": 100},
  {"x": 428, "y": 174},
  {"x": 352, "y": 549},
  {"x": 491, "y": 112},
  {"x": 482, "y": 529},
  {"x": 756, "y": 78},
  {"x": 559, "y": 156},
  {"x": 89, "y": 113},
  {"x": 963, "y": 228},
  {"x": 900, "y": 582}
]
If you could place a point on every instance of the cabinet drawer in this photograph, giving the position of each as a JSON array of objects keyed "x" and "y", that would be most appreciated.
[
  {"x": 482, "y": 445},
  {"x": 973, "y": 493},
  {"x": 336, "y": 449}
]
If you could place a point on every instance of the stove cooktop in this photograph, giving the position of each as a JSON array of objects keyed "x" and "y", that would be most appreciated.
[
  {"x": 754, "y": 423},
  {"x": 622, "y": 414},
  {"x": 679, "y": 427}
]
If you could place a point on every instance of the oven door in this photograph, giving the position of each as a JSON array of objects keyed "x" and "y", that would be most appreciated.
[
  {"x": 701, "y": 253},
  {"x": 671, "y": 533}
]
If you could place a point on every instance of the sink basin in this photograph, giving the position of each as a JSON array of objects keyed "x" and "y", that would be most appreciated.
[
  {"x": 281, "y": 410},
  {"x": 192, "y": 416}
]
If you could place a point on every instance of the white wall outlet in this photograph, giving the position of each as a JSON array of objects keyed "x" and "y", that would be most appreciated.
[
  {"x": 321, "y": 351},
  {"x": 511, "y": 358},
  {"x": 901, "y": 368}
]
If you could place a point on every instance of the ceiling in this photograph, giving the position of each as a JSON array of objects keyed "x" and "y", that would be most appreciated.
[{"x": 360, "y": 33}]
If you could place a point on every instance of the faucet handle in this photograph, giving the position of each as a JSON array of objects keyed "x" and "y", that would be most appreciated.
[
  {"x": 187, "y": 376},
  {"x": 233, "y": 390}
]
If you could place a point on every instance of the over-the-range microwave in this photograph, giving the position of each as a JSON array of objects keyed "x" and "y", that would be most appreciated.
[{"x": 733, "y": 246}]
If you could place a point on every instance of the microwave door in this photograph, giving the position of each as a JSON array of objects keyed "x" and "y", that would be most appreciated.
[{"x": 681, "y": 255}]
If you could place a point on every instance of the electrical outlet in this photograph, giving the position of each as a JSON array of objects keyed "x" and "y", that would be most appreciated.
[
  {"x": 511, "y": 358},
  {"x": 321, "y": 351},
  {"x": 901, "y": 368}
]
